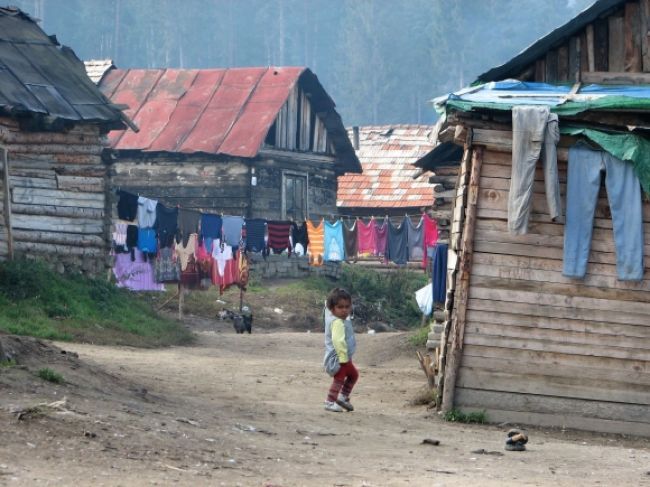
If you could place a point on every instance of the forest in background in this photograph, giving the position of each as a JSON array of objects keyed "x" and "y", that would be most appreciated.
[{"x": 380, "y": 60}]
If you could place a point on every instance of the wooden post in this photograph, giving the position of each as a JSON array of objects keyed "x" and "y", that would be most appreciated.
[
  {"x": 7, "y": 204},
  {"x": 181, "y": 299},
  {"x": 462, "y": 286}
]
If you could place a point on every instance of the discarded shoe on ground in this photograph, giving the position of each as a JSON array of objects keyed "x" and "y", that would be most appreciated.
[{"x": 516, "y": 440}]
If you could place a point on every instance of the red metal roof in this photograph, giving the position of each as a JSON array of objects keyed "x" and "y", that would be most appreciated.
[
  {"x": 387, "y": 154},
  {"x": 217, "y": 111}
]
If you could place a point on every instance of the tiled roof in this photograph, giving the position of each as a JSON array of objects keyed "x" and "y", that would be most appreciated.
[
  {"x": 216, "y": 111},
  {"x": 387, "y": 154},
  {"x": 40, "y": 77}
]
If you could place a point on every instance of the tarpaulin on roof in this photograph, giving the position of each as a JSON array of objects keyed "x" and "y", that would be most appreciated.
[
  {"x": 503, "y": 95},
  {"x": 627, "y": 147}
]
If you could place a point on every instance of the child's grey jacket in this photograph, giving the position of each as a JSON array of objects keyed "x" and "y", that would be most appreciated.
[{"x": 331, "y": 361}]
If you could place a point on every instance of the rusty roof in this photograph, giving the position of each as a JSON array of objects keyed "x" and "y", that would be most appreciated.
[
  {"x": 215, "y": 111},
  {"x": 387, "y": 154},
  {"x": 42, "y": 79}
]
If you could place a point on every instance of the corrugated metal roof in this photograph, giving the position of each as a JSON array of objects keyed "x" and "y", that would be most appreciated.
[
  {"x": 387, "y": 154},
  {"x": 97, "y": 68},
  {"x": 216, "y": 111},
  {"x": 40, "y": 77},
  {"x": 539, "y": 48}
]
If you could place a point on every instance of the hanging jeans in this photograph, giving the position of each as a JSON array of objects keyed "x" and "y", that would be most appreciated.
[
  {"x": 624, "y": 195},
  {"x": 534, "y": 131}
]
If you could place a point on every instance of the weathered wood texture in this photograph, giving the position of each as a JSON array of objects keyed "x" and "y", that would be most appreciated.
[
  {"x": 543, "y": 348},
  {"x": 224, "y": 186},
  {"x": 618, "y": 44},
  {"x": 56, "y": 204}
]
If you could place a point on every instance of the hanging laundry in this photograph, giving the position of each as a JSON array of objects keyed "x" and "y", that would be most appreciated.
[
  {"x": 166, "y": 266},
  {"x": 127, "y": 206},
  {"x": 299, "y": 237},
  {"x": 430, "y": 236},
  {"x": 535, "y": 132},
  {"x": 147, "y": 242},
  {"x": 255, "y": 232},
  {"x": 188, "y": 223},
  {"x": 166, "y": 224},
  {"x": 439, "y": 274},
  {"x": 316, "y": 235},
  {"x": 366, "y": 237},
  {"x": 132, "y": 239},
  {"x": 350, "y": 240},
  {"x": 243, "y": 269},
  {"x": 190, "y": 278},
  {"x": 119, "y": 237},
  {"x": 232, "y": 226},
  {"x": 136, "y": 275},
  {"x": 146, "y": 212},
  {"x": 381, "y": 237},
  {"x": 334, "y": 247},
  {"x": 279, "y": 233},
  {"x": 397, "y": 249},
  {"x": 415, "y": 239},
  {"x": 204, "y": 264},
  {"x": 210, "y": 226},
  {"x": 229, "y": 274},
  {"x": 624, "y": 195},
  {"x": 221, "y": 254},
  {"x": 184, "y": 251}
]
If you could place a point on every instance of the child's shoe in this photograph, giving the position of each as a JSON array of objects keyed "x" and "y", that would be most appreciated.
[
  {"x": 344, "y": 402},
  {"x": 333, "y": 407}
]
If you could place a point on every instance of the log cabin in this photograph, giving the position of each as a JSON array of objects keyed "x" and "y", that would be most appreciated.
[
  {"x": 256, "y": 142},
  {"x": 524, "y": 342},
  {"x": 53, "y": 122}
]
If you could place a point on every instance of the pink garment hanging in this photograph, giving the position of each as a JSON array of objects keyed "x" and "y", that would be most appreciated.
[
  {"x": 230, "y": 273},
  {"x": 430, "y": 235},
  {"x": 381, "y": 237},
  {"x": 366, "y": 237}
]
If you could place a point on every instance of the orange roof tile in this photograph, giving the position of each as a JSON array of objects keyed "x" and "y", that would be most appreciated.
[{"x": 387, "y": 154}]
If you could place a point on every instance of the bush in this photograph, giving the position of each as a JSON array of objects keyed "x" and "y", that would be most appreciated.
[
  {"x": 50, "y": 375},
  {"x": 458, "y": 416}
]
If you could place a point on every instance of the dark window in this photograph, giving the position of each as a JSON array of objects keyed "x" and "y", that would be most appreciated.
[{"x": 295, "y": 197}]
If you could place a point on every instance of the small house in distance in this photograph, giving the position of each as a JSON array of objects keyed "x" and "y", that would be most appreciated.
[
  {"x": 548, "y": 320},
  {"x": 258, "y": 142},
  {"x": 53, "y": 122},
  {"x": 390, "y": 184}
]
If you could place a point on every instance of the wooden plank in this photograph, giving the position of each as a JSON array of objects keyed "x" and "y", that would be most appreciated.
[
  {"x": 31, "y": 182},
  {"x": 81, "y": 183},
  {"x": 65, "y": 211},
  {"x": 574, "y": 387},
  {"x": 551, "y": 66},
  {"x": 34, "y": 249},
  {"x": 613, "y": 410},
  {"x": 617, "y": 78},
  {"x": 478, "y": 302},
  {"x": 564, "y": 421},
  {"x": 57, "y": 197},
  {"x": 58, "y": 224},
  {"x": 601, "y": 45},
  {"x": 563, "y": 63},
  {"x": 644, "y": 32},
  {"x": 616, "y": 42},
  {"x": 55, "y": 237},
  {"x": 591, "y": 61},
  {"x": 8, "y": 219},
  {"x": 574, "y": 59},
  {"x": 463, "y": 279},
  {"x": 632, "y": 31},
  {"x": 540, "y": 70}
]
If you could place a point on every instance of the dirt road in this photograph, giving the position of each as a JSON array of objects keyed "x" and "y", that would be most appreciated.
[{"x": 247, "y": 410}]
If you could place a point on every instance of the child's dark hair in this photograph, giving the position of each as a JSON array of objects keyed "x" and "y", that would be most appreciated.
[{"x": 337, "y": 294}]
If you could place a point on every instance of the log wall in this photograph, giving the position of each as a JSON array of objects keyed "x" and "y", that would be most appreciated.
[
  {"x": 613, "y": 49},
  {"x": 57, "y": 204},
  {"x": 537, "y": 347}
]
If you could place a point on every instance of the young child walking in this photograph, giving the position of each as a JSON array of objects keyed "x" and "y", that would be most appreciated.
[{"x": 340, "y": 346}]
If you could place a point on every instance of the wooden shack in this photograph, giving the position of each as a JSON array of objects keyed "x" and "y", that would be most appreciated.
[
  {"x": 53, "y": 122},
  {"x": 525, "y": 343},
  {"x": 257, "y": 142}
]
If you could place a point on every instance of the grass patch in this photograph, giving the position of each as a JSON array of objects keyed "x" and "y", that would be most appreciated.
[
  {"x": 50, "y": 375},
  {"x": 5, "y": 364},
  {"x": 458, "y": 416},
  {"x": 420, "y": 336},
  {"x": 38, "y": 302}
]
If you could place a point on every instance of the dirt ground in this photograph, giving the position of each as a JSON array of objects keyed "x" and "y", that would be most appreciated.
[{"x": 248, "y": 410}]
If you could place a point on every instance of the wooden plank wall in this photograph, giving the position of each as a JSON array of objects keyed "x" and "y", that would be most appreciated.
[
  {"x": 58, "y": 201},
  {"x": 607, "y": 50},
  {"x": 540, "y": 348}
]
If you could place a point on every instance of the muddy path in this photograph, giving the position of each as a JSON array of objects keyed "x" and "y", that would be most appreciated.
[{"x": 247, "y": 410}]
